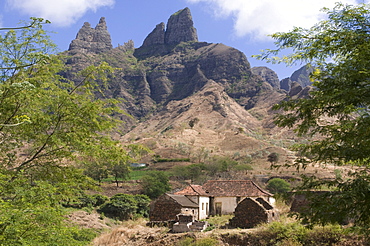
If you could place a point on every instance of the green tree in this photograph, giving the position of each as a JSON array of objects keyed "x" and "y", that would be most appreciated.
[
  {"x": 47, "y": 124},
  {"x": 155, "y": 183},
  {"x": 336, "y": 113},
  {"x": 96, "y": 171},
  {"x": 277, "y": 185},
  {"x": 220, "y": 164},
  {"x": 119, "y": 171}
]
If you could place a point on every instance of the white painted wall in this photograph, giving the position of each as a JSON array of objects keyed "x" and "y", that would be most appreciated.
[
  {"x": 271, "y": 200},
  {"x": 192, "y": 211},
  {"x": 228, "y": 204},
  {"x": 203, "y": 207}
]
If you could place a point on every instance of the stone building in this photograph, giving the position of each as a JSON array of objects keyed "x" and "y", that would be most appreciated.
[
  {"x": 253, "y": 211},
  {"x": 225, "y": 195},
  {"x": 168, "y": 206}
]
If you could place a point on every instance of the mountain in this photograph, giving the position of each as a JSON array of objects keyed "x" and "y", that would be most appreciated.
[{"x": 180, "y": 91}]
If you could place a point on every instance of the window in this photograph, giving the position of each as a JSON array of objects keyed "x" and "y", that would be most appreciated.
[{"x": 202, "y": 205}]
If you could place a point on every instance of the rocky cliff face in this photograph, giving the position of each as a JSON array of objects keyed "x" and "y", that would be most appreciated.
[
  {"x": 302, "y": 76},
  {"x": 268, "y": 75}
]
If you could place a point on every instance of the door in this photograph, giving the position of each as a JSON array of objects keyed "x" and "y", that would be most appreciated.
[{"x": 218, "y": 206}]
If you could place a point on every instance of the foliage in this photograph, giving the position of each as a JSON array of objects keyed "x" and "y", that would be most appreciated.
[
  {"x": 336, "y": 113},
  {"x": 277, "y": 185},
  {"x": 47, "y": 124},
  {"x": 143, "y": 202},
  {"x": 137, "y": 174},
  {"x": 155, "y": 183},
  {"x": 171, "y": 160},
  {"x": 120, "y": 206},
  {"x": 188, "y": 241},
  {"x": 96, "y": 171},
  {"x": 220, "y": 164},
  {"x": 193, "y": 121},
  {"x": 92, "y": 200},
  {"x": 125, "y": 206},
  {"x": 192, "y": 171},
  {"x": 119, "y": 170},
  {"x": 273, "y": 157}
]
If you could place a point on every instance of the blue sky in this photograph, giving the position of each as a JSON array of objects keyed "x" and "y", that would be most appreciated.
[{"x": 242, "y": 24}]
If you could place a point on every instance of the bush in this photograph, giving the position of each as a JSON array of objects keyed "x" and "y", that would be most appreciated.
[
  {"x": 220, "y": 165},
  {"x": 120, "y": 206},
  {"x": 99, "y": 199},
  {"x": 192, "y": 171},
  {"x": 277, "y": 185},
  {"x": 86, "y": 201},
  {"x": 125, "y": 206},
  {"x": 143, "y": 202},
  {"x": 188, "y": 241}
]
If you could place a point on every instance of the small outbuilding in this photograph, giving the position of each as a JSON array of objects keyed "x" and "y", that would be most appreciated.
[
  {"x": 253, "y": 211},
  {"x": 168, "y": 206}
]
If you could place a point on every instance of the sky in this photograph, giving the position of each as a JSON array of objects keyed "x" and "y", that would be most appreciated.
[{"x": 242, "y": 24}]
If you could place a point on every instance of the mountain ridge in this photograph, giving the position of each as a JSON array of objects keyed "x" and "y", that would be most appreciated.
[{"x": 173, "y": 79}]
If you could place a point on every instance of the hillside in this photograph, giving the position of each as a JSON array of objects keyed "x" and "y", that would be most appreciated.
[{"x": 187, "y": 98}]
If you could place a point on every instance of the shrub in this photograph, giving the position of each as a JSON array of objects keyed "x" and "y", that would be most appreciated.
[
  {"x": 277, "y": 185},
  {"x": 99, "y": 199},
  {"x": 143, "y": 202},
  {"x": 86, "y": 201},
  {"x": 120, "y": 206},
  {"x": 188, "y": 241}
]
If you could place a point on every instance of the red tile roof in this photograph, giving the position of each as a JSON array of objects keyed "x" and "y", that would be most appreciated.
[
  {"x": 229, "y": 188},
  {"x": 192, "y": 190}
]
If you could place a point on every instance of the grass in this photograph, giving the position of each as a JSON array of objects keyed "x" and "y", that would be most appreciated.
[
  {"x": 217, "y": 221},
  {"x": 137, "y": 174}
]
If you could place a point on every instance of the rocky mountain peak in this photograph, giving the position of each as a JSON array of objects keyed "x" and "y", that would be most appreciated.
[
  {"x": 268, "y": 75},
  {"x": 156, "y": 36},
  {"x": 179, "y": 29},
  {"x": 88, "y": 39}
]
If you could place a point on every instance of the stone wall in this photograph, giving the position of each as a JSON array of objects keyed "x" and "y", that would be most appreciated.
[
  {"x": 250, "y": 212},
  {"x": 164, "y": 209}
]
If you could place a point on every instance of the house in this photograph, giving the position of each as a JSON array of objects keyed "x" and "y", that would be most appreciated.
[
  {"x": 224, "y": 195},
  {"x": 215, "y": 197},
  {"x": 168, "y": 206},
  {"x": 197, "y": 194}
]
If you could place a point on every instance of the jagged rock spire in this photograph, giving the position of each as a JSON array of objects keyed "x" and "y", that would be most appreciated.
[
  {"x": 88, "y": 39},
  {"x": 179, "y": 29},
  {"x": 156, "y": 36}
]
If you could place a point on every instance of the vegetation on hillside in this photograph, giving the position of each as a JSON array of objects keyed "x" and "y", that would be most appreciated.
[
  {"x": 55, "y": 141},
  {"x": 337, "y": 112},
  {"x": 47, "y": 124}
]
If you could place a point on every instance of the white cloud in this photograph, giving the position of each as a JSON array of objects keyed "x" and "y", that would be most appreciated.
[
  {"x": 258, "y": 18},
  {"x": 59, "y": 12}
]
